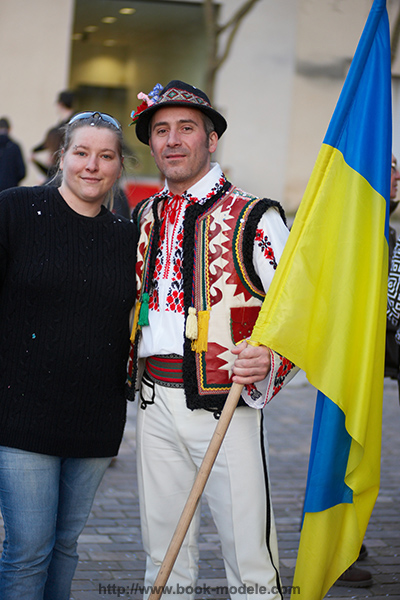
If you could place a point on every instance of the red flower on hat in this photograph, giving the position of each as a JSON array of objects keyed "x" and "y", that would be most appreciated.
[{"x": 135, "y": 113}]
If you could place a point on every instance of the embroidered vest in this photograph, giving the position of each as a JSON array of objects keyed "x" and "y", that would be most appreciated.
[{"x": 220, "y": 283}]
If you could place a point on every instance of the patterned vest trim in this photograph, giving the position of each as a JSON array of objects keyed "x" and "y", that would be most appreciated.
[{"x": 219, "y": 279}]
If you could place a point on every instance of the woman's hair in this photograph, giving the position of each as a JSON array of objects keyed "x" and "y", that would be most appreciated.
[{"x": 92, "y": 119}]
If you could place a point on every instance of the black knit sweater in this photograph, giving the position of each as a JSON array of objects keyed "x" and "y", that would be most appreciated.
[{"x": 67, "y": 285}]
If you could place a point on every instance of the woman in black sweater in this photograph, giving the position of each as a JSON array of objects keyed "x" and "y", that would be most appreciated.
[{"x": 67, "y": 286}]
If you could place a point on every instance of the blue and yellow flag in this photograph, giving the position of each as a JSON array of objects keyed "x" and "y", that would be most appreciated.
[{"x": 326, "y": 312}]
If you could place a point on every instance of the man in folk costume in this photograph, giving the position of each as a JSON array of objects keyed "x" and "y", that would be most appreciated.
[{"x": 206, "y": 256}]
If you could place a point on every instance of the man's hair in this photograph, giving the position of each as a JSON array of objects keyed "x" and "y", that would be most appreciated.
[
  {"x": 4, "y": 123},
  {"x": 208, "y": 124}
]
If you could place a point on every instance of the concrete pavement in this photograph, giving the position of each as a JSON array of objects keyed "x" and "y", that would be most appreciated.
[{"x": 111, "y": 555}]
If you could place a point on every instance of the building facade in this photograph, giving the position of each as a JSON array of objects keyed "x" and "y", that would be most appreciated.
[{"x": 278, "y": 87}]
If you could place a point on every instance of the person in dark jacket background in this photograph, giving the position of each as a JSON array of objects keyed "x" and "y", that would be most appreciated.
[
  {"x": 12, "y": 165},
  {"x": 45, "y": 154}
]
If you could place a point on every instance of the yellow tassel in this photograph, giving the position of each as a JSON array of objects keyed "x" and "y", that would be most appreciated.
[
  {"x": 191, "y": 324},
  {"x": 135, "y": 321},
  {"x": 201, "y": 344}
]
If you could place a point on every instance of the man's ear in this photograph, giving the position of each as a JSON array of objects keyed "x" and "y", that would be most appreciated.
[
  {"x": 213, "y": 142},
  {"x": 151, "y": 149}
]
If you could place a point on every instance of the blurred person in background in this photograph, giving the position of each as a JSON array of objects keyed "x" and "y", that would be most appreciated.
[
  {"x": 392, "y": 355},
  {"x": 45, "y": 154},
  {"x": 12, "y": 165},
  {"x": 392, "y": 358}
]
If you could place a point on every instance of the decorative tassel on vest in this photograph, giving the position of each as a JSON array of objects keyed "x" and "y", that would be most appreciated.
[
  {"x": 201, "y": 344},
  {"x": 191, "y": 324},
  {"x": 144, "y": 311},
  {"x": 197, "y": 329},
  {"x": 135, "y": 321}
]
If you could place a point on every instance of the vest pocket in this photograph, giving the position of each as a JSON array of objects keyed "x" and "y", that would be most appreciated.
[{"x": 243, "y": 319}]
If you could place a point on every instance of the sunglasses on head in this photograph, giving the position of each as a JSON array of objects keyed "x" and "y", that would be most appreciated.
[{"x": 95, "y": 115}]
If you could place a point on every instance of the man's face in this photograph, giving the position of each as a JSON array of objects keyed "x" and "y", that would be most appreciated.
[
  {"x": 394, "y": 179},
  {"x": 180, "y": 146}
]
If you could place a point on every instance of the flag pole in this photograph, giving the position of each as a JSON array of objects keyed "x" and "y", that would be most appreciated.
[{"x": 196, "y": 491}]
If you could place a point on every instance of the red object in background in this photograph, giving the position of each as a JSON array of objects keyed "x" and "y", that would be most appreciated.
[{"x": 138, "y": 189}]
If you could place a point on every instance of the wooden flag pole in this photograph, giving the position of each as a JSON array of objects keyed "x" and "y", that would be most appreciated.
[{"x": 196, "y": 491}]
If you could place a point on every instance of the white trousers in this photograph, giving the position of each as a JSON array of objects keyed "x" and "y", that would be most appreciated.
[{"x": 171, "y": 443}]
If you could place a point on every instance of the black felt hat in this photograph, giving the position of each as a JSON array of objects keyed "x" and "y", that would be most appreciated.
[{"x": 175, "y": 93}]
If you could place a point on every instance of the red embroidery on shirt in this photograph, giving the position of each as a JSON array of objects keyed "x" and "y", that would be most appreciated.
[
  {"x": 283, "y": 371},
  {"x": 265, "y": 245},
  {"x": 175, "y": 301},
  {"x": 170, "y": 250},
  {"x": 170, "y": 268}
]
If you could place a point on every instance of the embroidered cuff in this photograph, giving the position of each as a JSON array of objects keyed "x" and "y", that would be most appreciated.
[{"x": 282, "y": 371}]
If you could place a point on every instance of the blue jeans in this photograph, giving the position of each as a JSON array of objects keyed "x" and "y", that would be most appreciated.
[{"x": 45, "y": 502}]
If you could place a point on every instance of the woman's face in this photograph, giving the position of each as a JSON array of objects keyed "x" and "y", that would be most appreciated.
[{"x": 91, "y": 166}]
